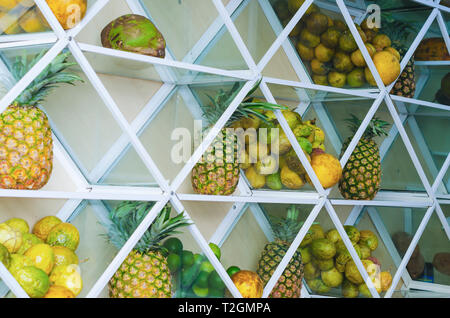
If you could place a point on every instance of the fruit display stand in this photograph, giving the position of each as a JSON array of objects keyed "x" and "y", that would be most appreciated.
[{"x": 116, "y": 134}]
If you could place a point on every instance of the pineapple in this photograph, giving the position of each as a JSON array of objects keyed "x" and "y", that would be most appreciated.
[
  {"x": 361, "y": 176},
  {"x": 145, "y": 272},
  {"x": 290, "y": 282},
  {"x": 217, "y": 172},
  {"x": 26, "y": 146},
  {"x": 406, "y": 83}
]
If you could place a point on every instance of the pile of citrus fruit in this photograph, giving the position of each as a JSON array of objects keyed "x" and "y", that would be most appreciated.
[
  {"x": 194, "y": 274},
  {"x": 42, "y": 261}
]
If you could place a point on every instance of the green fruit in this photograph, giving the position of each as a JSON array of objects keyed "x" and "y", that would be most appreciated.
[
  {"x": 343, "y": 254},
  {"x": 332, "y": 277},
  {"x": 310, "y": 271},
  {"x": 18, "y": 262},
  {"x": 134, "y": 33},
  {"x": 349, "y": 290},
  {"x": 215, "y": 282},
  {"x": 19, "y": 225},
  {"x": 323, "y": 249},
  {"x": 5, "y": 257},
  {"x": 333, "y": 235},
  {"x": 206, "y": 267},
  {"x": 356, "y": 78},
  {"x": 200, "y": 291},
  {"x": 330, "y": 38},
  {"x": 352, "y": 232},
  {"x": 174, "y": 262},
  {"x": 202, "y": 279},
  {"x": 316, "y": 232},
  {"x": 216, "y": 293},
  {"x": 305, "y": 144},
  {"x": 302, "y": 131},
  {"x": 342, "y": 62},
  {"x": 309, "y": 39},
  {"x": 365, "y": 251},
  {"x": 34, "y": 281},
  {"x": 337, "y": 79},
  {"x": 187, "y": 258},
  {"x": 323, "y": 265},
  {"x": 29, "y": 240},
  {"x": 369, "y": 239},
  {"x": 232, "y": 270},
  {"x": 273, "y": 181},
  {"x": 215, "y": 249},
  {"x": 306, "y": 240},
  {"x": 317, "y": 23},
  {"x": 173, "y": 245},
  {"x": 305, "y": 252},
  {"x": 347, "y": 43},
  {"x": 318, "y": 286}
]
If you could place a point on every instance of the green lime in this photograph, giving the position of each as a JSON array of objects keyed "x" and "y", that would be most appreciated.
[
  {"x": 174, "y": 262},
  {"x": 18, "y": 262},
  {"x": 216, "y": 293},
  {"x": 173, "y": 245},
  {"x": 198, "y": 258},
  {"x": 216, "y": 250},
  {"x": 200, "y": 291},
  {"x": 207, "y": 267},
  {"x": 214, "y": 281},
  {"x": 232, "y": 270},
  {"x": 34, "y": 281},
  {"x": 202, "y": 280},
  {"x": 187, "y": 259}
]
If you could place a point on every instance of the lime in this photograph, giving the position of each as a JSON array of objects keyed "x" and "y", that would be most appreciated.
[
  {"x": 174, "y": 262},
  {"x": 215, "y": 282},
  {"x": 64, "y": 234},
  {"x": 33, "y": 280},
  {"x": 44, "y": 226},
  {"x": 64, "y": 256},
  {"x": 187, "y": 258},
  {"x": 19, "y": 225},
  {"x": 5, "y": 258},
  {"x": 232, "y": 270},
  {"x": 28, "y": 240},
  {"x": 216, "y": 250},
  {"x": 18, "y": 262},
  {"x": 202, "y": 280},
  {"x": 200, "y": 291},
  {"x": 67, "y": 276},
  {"x": 216, "y": 293},
  {"x": 207, "y": 267},
  {"x": 173, "y": 245},
  {"x": 42, "y": 257}
]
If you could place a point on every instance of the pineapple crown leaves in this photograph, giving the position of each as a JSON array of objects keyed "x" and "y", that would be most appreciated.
[
  {"x": 127, "y": 216},
  {"x": 53, "y": 74},
  {"x": 375, "y": 128},
  {"x": 397, "y": 30},
  {"x": 222, "y": 99},
  {"x": 287, "y": 228}
]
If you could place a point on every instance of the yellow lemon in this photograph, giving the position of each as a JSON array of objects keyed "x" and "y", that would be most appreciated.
[
  {"x": 59, "y": 292},
  {"x": 29, "y": 240},
  {"x": 19, "y": 225}
]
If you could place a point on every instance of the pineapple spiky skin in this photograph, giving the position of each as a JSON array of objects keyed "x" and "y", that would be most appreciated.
[
  {"x": 217, "y": 172},
  {"x": 362, "y": 174},
  {"x": 289, "y": 284},
  {"x": 26, "y": 148},
  {"x": 406, "y": 83},
  {"x": 142, "y": 276}
]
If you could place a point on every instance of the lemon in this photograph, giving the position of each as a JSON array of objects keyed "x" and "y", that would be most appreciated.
[
  {"x": 67, "y": 276},
  {"x": 42, "y": 257},
  {"x": 19, "y": 225},
  {"x": 59, "y": 292},
  {"x": 64, "y": 234},
  {"x": 44, "y": 226},
  {"x": 64, "y": 256},
  {"x": 28, "y": 241},
  {"x": 5, "y": 257},
  {"x": 33, "y": 280}
]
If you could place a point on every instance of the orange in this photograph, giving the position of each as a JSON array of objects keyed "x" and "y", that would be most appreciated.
[
  {"x": 19, "y": 225},
  {"x": 64, "y": 234},
  {"x": 248, "y": 283},
  {"x": 64, "y": 256},
  {"x": 42, "y": 257},
  {"x": 59, "y": 292},
  {"x": 10, "y": 238},
  {"x": 68, "y": 12},
  {"x": 44, "y": 225}
]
